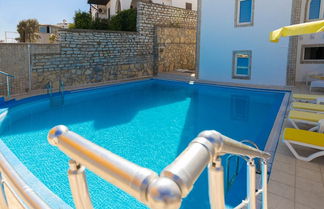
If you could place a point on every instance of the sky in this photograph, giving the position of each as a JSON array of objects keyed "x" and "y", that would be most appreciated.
[{"x": 46, "y": 12}]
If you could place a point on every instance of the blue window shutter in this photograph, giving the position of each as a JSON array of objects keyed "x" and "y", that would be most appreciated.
[
  {"x": 314, "y": 9},
  {"x": 245, "y": 11}
]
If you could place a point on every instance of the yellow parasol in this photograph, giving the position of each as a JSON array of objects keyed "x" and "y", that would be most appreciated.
[{"x": 298, "y": 29}]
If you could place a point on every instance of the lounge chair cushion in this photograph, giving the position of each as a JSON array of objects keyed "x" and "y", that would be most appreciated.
[
  {"x": 308, "y": 106},
  {"x": 306, "y": 96},
  {"x": 317, "y": 84},
  {"x": 305, "y": 137},
  {"x": 309, "y": 116}
]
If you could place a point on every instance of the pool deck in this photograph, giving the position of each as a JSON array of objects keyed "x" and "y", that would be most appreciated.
[{"x": 296, "y": 184}]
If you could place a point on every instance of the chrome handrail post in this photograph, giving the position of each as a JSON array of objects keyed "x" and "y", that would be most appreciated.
[
  {"x": 264, "y": 184},
  {"x": 8, "y": 86},
  {"x": 216, "y": 184},
  {"x": 79, "y": 186},
  {"x": 3, "y": 199},
  {"x": 251, "y": 184}
]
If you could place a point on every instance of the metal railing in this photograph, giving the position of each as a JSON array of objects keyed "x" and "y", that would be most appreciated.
[
  {"x": 173, "y": 184},
  {"x": 229, "y": 180},
  {"x": 8, "y": 77},
  {"x": 23, "y": 195}
]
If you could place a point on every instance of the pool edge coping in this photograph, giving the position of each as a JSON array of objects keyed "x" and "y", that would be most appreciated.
[{"x": 32, "y": 181}]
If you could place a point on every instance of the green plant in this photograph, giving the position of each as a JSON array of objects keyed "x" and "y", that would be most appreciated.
[
  {"x": 82, "y": 20},
  {"x": 27, "y": 30},
  {"x": 100, "y": 24},
  {"x": 124, "y": 20},
  {"x": 53, "y": 38},
  {"x": 71, "y": 26}
]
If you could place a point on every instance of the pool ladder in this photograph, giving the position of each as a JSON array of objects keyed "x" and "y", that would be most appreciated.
[
  {"x": 55, "y": 100},
  {"x": 229, "y": 180},
  {"x": 8, "y": 79}
]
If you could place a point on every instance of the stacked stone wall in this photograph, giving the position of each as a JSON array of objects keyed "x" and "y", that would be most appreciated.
[
  {"x": 89, "y": 56},
  {"x": 15, "y": 59},
  {"x": 86, "y": 57},
  {"x": 175, "y": 48}
]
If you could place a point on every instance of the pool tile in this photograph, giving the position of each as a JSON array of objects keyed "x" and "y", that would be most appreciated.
[
  {"x": 308, "y": 174},
  {"x": 309, "y": 185},
  {"x": 282, "y": 177},
  {"x": 301, "y": 206},
  {"x": 288, "y": 168},
  {"x": 277, "y": 202},
  {"x": 313, "y": 200},
  {"x": 308, "y": 165},
  {"x": 282, "y": 190}
]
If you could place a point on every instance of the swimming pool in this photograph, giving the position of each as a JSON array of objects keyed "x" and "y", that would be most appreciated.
[{"x": 147, "y": 122}]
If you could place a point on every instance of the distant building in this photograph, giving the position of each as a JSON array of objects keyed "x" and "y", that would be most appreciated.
[
  {"x": 107, "y": 8},
  {"x": 46, "y": 31}
]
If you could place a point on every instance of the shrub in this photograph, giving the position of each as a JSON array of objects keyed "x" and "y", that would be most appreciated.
[
  {"x": 124, "y": 20},
  {"x": 82, "y": 20},
  {"x": 100, "y": 24},
  {"x": 28, "y": 30}
]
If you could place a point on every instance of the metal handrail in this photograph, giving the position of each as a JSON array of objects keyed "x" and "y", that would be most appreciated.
[
  {"x": 10, "y": 177},
  {"x": 8, "y": 82},
  {"x": 175, "y": 181},
  {"x": 228, "y": 179}
]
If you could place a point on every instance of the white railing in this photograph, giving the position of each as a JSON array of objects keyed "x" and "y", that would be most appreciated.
[
  {"x": 8, "y": 77},
  {"x": 22, "y": 194},
  {"x": 173, "y": 184}
]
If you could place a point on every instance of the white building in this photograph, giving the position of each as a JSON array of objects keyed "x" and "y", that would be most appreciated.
[
  {"x": 108, "y": 8},
  {"x": 234, "y": 41}
]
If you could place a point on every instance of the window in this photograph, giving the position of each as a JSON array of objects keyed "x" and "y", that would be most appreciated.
[
  {"x": 244, "y": 12},
  {"x": 108, "y": 13},
  {"x": 42, "y": 29},
  {"x": 312, "y": 54},
  {"x": 118, "y": 6},
  {"x": 189, "y": 6},
  {"x": 242, "y": 64},
  {"x": 314, "y": 10}
]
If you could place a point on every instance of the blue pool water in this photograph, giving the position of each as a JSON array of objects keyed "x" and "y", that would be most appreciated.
[{"x": 148, "y": 122}]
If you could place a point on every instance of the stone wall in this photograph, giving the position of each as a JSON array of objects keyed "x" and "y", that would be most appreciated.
[
  {"x": 175, "y": 48},
  {"x": 15, "y": 59},
  {"x": 92, "y": 57},
  {"x": 89, "y": 56},
  {"x": 86, "y": 57}
]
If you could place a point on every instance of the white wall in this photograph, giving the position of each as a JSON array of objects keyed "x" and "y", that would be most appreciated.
[
  {"x": 219, "y": 38},
  {"x": 303, "y": 69},
  {"x": 182, "y": 3},
  {"x": 125, "y": 4}
]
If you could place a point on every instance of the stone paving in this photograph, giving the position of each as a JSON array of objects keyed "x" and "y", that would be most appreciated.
[{"x": 295, "y": 184}]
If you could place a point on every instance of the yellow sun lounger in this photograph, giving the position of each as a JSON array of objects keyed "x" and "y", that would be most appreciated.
[
  {"x": 306, "y": 139},
  {"x": 306, "y": 97},
  {"x": 308, "y": 118},
  {"x": 307, "y": 107}
]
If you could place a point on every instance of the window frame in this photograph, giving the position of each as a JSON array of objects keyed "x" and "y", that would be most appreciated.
[
  {"x": 302, "y": 54},
  {"x": 321, "y": 13},
  {"x": 187, "y": 5},
  {"x": 234, "y": 65},
  {"x": 237, "y": 15}
]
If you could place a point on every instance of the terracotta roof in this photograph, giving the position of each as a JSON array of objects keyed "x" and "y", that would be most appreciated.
[{"x": 98, "y": 2}]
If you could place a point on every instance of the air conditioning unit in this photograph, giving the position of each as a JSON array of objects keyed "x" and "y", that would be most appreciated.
[{"x": 102, "y": 10}]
